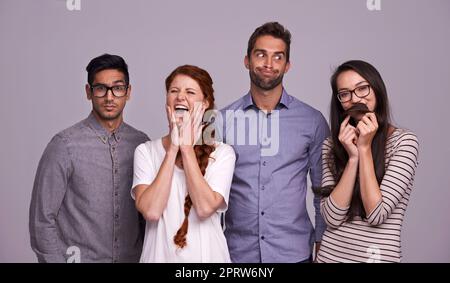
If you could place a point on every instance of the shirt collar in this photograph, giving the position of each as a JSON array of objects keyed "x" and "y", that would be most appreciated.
[
  {"x": 248, "y": 101},
  {"x": 285, "y": 100},
  {"x": 101, "y": 132}
]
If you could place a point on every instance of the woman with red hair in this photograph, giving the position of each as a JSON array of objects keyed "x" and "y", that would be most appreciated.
[{"x": 182, "y": 181}]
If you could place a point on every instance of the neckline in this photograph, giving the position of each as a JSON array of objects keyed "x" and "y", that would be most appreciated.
[{"x": 393, "y": 134}]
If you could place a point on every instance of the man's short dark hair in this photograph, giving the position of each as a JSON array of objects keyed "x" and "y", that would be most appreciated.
[
  {"x": 273, "y": 29},
  {"x": 106, "y": 62}
]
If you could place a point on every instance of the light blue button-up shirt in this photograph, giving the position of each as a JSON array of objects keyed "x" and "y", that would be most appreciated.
[{"x": 267, "y": 219}]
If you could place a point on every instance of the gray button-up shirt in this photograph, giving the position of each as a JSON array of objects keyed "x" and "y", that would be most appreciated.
[
  {"x": 81, "y": 209},
  {"x": 267, "y": 220}
]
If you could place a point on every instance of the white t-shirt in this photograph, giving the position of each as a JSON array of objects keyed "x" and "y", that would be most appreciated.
[{"x": 205, "y": 239}]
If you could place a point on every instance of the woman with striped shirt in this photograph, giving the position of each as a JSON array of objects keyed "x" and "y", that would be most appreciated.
[{"x": 368, "y": 170}]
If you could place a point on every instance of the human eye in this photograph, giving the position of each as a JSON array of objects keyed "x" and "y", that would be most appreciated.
[
  {"x": 278, "y": 57},
  {"x": 363, "y": 88},
  {"x": 99, "y": 87},
  {"x": 191, "y": 91},
  {"x": 119, "y": 87},
  {"x": 344, "y": 95},
  {"x": 260, "y": 55}
]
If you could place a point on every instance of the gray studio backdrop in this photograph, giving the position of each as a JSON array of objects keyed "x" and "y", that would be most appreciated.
[{"x": 46, "y": 45}]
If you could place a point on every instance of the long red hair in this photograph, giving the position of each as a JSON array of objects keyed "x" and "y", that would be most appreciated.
[{"x": 203, "y": 150}]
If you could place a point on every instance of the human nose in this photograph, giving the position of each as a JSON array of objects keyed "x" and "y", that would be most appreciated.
[
  {"x": 180, "y": 96},
  {"x": 268, "y": 62},
  {"x": 355, "y": 98},
  {"x": 109, "y": 94}
]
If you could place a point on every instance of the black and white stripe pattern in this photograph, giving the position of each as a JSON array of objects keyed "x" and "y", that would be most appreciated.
[{"x": 376, "y": 238}]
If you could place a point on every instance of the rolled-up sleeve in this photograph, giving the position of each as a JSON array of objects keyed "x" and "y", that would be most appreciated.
[{"x": 49, "y": 188}]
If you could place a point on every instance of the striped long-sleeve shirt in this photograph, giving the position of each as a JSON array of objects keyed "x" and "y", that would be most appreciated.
[{"x": 375, "y": 238}]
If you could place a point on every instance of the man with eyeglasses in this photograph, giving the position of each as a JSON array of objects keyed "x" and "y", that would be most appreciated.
[{"x": 81, "y": 210}]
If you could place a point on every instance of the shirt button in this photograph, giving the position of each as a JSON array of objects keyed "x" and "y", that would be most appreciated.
[
  {"x": 264, "y": 163},
  {"x": 116, "y": 170},
  {"x": 115, "y": 239},
  {"x": 262, "y": 238},
  {"x": 262, "y": 212},
  {"x": 117, "y": 216},
  {"x": 116, "y": 193},
  {"x": 113, "y": 149},
  {"x": 263, "y": 188}
]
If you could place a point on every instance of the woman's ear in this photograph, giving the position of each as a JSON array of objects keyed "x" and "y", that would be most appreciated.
[{"x": 205, "y": 104}]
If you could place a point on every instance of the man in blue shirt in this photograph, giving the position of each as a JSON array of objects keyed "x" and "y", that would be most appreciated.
[{"x": 278, "y": 141}]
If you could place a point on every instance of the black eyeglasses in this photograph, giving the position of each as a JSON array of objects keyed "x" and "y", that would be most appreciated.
[
  {"x": 361, "y": 92},
  {"x": 100, "y": 90}
]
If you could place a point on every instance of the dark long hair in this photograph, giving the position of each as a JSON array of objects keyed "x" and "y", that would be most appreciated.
[
  {"x": 203, "y": 150},
  {"x": 339, "y": 156}
]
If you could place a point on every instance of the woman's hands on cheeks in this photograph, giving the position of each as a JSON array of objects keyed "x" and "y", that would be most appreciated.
[
  {"x": 174, "y": 130},
  {"x": 191, "y": 126}
]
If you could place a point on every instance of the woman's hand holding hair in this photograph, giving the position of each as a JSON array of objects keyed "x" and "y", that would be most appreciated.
[
  {"x": 348, "y": 136},
  {"x": 367, "y": 128}
]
